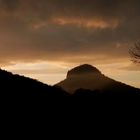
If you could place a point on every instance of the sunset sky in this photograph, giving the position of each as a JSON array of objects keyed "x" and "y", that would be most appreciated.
[{"x": 43, "y": 39}]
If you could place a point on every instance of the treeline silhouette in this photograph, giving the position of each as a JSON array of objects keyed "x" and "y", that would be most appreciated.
[
  {"x": 15, "y": 86},
  {"x": 93, "y": 93}
]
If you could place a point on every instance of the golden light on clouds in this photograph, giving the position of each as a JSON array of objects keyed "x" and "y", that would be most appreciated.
[
  {"x": 94, "y": 23},
  {"x": 79, "y": 22},
  {"x": 87, "y": 23}
]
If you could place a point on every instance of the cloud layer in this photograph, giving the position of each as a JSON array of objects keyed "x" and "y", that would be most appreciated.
[{"x": 68, "y": 31}]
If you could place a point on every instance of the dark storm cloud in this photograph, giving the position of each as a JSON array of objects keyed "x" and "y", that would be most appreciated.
[
  {"x": 9, "y": 5},
  {"x": 66, "y": 30},
  {"x": 106, "y": 8}
]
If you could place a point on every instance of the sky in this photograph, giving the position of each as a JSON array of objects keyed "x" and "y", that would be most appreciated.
[{"x": 43, "y": 39}]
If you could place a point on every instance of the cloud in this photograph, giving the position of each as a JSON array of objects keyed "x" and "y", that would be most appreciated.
[
  {"x": 131, "y": 67},
  {"x": 87, "y": 23},
  {"x": 67, "y": 31}
]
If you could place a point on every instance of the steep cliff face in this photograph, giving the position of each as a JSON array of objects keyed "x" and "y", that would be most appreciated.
[{"x": 83, "y": 70}]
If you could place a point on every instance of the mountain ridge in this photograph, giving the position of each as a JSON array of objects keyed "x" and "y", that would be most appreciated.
[
  {"x": 91, "y": 80},
  {"x": 93, "y": 84}
]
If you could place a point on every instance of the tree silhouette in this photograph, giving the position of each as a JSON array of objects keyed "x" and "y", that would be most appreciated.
[{"x": 135, "y": 52}]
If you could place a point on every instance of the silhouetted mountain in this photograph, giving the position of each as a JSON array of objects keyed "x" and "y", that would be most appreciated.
[
  {"x": 84, "y": 81},
  {"x": 20, "y": 86},
  {"x": 91, "y": 81}
]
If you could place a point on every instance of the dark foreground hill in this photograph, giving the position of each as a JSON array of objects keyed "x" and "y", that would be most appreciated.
[
  {"x": 88, "y": 80},
  {"x": 19, "y": 86}
]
